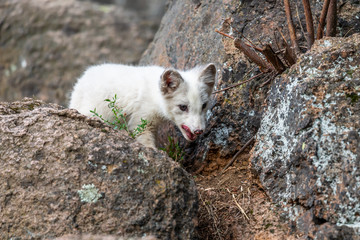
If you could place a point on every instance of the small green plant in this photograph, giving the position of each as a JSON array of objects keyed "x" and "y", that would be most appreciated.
[
  {"x": 119, "y": 121},
  {"x": 174, "y": 150}
]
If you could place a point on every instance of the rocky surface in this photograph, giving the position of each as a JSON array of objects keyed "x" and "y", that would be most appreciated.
[
  {"x": 46, "y": 44},
  {"x": 307, "y": 152},
  {"x": 187, "y": 38},
  {"x": 62, "y": 173}
]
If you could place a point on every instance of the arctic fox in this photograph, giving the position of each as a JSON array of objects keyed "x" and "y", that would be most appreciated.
[{"x": 148, "y": 92}]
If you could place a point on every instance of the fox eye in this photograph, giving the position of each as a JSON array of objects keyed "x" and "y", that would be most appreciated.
[
  {"x": 183, "y": 108},
  {"x": 203, "y": 106}
]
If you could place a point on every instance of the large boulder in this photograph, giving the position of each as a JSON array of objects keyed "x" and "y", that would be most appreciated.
[
  {"x": 46, "y": 45},
  {"x": 307, "y": 152},
  {"x": 63, "y": 173},
  {"x": 187, "y": 38}
]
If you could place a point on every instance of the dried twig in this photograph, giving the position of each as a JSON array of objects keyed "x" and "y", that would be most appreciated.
[
  {"x": 291, "y": 27},
  {"x": 238, "y": 205},
  {"x": 264, "y": 66},
  {"x": 269, "y": 78},
  {"x": 331, "y": 19},
  {"x": 224, "y": 34},
  {"x": 299, "y": 20},
  {"x": 237, "y": 154},
  {"x": 251, "y": 43},
  {"x": 227, "y": 35},
  {"x": 309, "y": 22},
  {"x": 320, "y": 29},
  {"x": 349, "y": 31},
  {"x": 237, "y": 84}
]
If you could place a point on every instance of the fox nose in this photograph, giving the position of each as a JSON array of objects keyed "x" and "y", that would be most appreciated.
[{"x": 198, "y": 131}]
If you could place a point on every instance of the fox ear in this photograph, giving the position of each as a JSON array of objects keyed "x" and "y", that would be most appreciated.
[
  {"x": 208, "y": 75},
  {"x": 170, "y": 81}
]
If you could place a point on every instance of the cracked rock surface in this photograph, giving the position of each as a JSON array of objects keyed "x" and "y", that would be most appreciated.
[
  {"x": 62, "y": 173},
  {"x": 307, "y": 152}
]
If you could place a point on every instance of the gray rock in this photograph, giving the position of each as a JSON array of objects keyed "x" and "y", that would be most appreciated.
[
  {"x": 62, "y": 173},
  {"x": 307, "y": 152},
  {"x": 46, "y": 45}
]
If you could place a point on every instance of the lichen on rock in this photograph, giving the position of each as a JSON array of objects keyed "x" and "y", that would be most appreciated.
[
  {"x": 89, "y": 193},
  {"x": 307, "y": 149},
  {"x": 63, "y": 173}
]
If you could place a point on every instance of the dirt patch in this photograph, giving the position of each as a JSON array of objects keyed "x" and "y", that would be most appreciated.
[{"x": 233, "y": 205}]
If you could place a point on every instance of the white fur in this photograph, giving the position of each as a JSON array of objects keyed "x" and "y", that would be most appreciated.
[{"x": 148, "y": 93}]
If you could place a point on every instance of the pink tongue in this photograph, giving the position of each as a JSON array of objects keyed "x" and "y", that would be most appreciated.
[{"x": 188, "y": 132}]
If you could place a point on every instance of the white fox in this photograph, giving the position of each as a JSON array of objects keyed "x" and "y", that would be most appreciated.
[{"x": 151, "y": 93}]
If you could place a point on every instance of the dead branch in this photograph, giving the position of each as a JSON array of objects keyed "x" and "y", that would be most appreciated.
[
  {"x": 331, "y": 19},
  {"x": 291, "y": 27},
  {"x": 264, "y": 66},
  {"x": 238, "y": 205},
  {"x": 224, "y": 34},
  {"x": 237, "y": 84},
  {"x": 268, "y": 79},
  {"x": 320, "y": 29},
  {"x": 299, "y": 20},
  {"x": 349, "y": 31},
  {"x": 251, "y": 43},
  {"x": 227, "y": 35},
  {"x": 289, "y": 55},
  {"x": 309, "y": 23},
  {"x": 237, "y": 154},
  {"x": 273, "y": 58}
]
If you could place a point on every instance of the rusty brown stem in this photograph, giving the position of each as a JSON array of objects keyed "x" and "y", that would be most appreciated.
[
  {"x": 291, "y": 26},
  {"x": 271, "y": 56},
  {"x": 251, "y": 54},
  {"x": 331, "y": 19},
  {"x": 320, "y": 29},
  {"x": 289, "y": 55},
  {"x": 309, "y": 22},
  {"x": 237, "y": 154},
  {"x": 224, "y": 34},
  {"x": 237, "y": 84}
]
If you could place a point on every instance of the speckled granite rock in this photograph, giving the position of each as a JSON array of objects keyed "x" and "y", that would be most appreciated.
[
  {"x": 62, "y": 173},
  {"x": 307, "y": 152}
]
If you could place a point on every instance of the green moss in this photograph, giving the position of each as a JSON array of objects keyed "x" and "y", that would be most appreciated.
[
  {"x": 353, "y": 96},
  {"x": 268, "y": 225},
  {"x": 350, "y": 72}
]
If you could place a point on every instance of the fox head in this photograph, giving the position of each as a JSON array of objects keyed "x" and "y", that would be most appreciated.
[{"x": 187, "y": 95}]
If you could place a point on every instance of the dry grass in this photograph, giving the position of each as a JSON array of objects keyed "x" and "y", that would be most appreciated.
[{"x": 233, "y": 205}]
